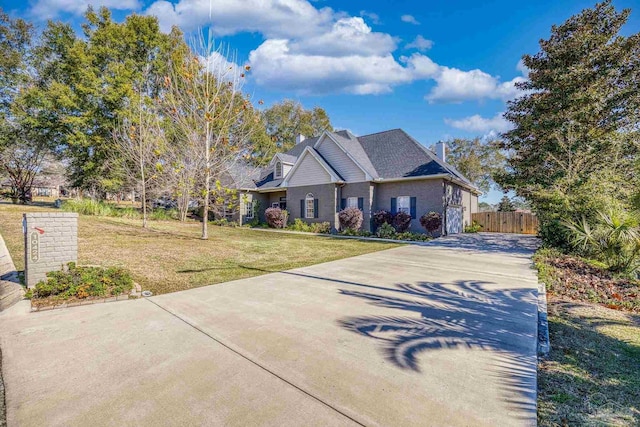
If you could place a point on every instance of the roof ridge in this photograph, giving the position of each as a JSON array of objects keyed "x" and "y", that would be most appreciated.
[{"x": 376, "y": 133}]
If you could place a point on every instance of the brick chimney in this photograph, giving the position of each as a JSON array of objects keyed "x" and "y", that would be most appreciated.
[{"x": 441, "y": 151}]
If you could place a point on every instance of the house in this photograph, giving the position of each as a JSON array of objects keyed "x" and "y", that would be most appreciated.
[{"x": 388, "y": 170}]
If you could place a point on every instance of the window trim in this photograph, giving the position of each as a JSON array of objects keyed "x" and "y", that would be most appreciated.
[
  {"x": 309, "y": 207},
  {"x": 400, "y": 208},
  {"x": 248, "y": 210}
]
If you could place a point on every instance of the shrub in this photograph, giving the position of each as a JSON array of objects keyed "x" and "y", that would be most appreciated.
[
  {"x": 359, "y": 233},
  {"x": 401, "y": 221},
  {"x": 412, "y": 237},
  {"x": 473, "y": 228},
  {"x": 83, "y": 282},
  {"x": 314, "y": 227},
  {"x": 276, "y": 217},
  {"x": 431, "y": 222},
  {"x": 386, "y": 231},
  {"x": 614, "y": 239},
  {"x": 381, "y": 217},
  {"x": 162, "y": 214},
  {"x": 88, "y": 207},
  {"x": 350, "y": 218}
]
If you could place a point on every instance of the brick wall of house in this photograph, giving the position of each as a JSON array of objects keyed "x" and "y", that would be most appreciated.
[
  {"x": 326, "y": 195},
  {"x": 51, "y": 241},
  {"x": 359, "y": 189},
  {"x": 429, "y": 196}
]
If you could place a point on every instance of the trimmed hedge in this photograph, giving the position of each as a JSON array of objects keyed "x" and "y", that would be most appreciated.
[{"x": 350, "y": 218}]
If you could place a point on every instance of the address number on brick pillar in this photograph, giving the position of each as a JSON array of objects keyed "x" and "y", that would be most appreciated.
[
  {"x": 51, "y": 242},
  {"x": 34, "y": 251}
]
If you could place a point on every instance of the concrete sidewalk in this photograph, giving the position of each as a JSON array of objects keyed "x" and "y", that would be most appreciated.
[{"x": 443, "y": 334}]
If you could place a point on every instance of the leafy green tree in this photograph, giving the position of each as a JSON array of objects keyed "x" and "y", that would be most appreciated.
[
  {"x": 576, "y": 129},
  {"x": 477, "y": 160},
  {"x": 89, "y": 83},
  {"x": 506, "y": 205},
  {"x": 285, "y": 120}
]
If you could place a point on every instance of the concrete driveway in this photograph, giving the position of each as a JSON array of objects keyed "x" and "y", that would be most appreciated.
[{"x": 435, "y": 335}]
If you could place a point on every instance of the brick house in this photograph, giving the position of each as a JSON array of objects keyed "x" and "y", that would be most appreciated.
[{"x": 388, "y": 170}]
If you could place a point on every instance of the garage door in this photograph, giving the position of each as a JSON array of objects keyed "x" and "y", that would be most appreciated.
[{"x": 454, "y": 220}]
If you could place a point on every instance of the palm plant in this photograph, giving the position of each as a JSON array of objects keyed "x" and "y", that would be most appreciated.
[{"x": 614, "y": 239}]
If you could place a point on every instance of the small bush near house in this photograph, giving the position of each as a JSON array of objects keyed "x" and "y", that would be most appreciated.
[
  {"x": 473, "y": 228},
  {"x": 431, "y": 222},
  {"x": 358, "y": 233},
  {"x": 381, "y": 217},
  {"x": 314, "y": 227},
  {"x": 276, "y": 217},
  {"x": 412, "y": 237},
  {"x": 80, "y": 283},
  {"x": 401, "y": 221},
  {"x": 386, "y": 231},
  {"x": 350, "y": 219}
]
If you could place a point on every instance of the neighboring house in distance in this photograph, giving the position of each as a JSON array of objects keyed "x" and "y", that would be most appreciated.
[{"x": 388, "y": 170}]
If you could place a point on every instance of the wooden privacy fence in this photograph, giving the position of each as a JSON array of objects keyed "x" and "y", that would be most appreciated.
[{"x": 507, "y": 222}]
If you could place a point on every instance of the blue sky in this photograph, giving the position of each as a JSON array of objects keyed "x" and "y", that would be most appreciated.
[{"x": 437, "y": 69}]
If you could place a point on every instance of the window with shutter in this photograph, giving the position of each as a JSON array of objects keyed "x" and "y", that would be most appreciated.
[{"x": 310, "y": 206}]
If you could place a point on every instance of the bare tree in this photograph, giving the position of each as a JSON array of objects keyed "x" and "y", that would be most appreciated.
[
  {"x": 137, "y": 141},
  {"x": 209, "y": 112}
]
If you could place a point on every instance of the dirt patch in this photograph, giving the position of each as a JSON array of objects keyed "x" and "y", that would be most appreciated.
[{"x": 571, "y": 277}]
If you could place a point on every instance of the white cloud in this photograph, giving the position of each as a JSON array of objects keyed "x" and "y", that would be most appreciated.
[
  {"x": 420, "y": 43},
  {"x": 522, "y": 68},
  {"x": 348, "y": 36},
  {"x": 409, "y": 19},
  {"x": 274, "y": 65},
  {"x": 476, "y": 123},
  {"x": 373, "y": 17},
  {"x": 454, "y": 85},
  {"x": 49, "y": 9},
  {"x": 272, "y": 18}
]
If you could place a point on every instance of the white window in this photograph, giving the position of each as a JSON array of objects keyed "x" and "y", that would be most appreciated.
[
  {"x": 352, "y": 202},
  {"x": 278, "y": 170},
  {"x": 309, "y": 206},
  {"x": 248, "y": 209},
  {"x": 404, "y": 204}
]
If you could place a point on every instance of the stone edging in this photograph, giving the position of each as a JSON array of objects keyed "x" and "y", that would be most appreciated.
[
  {"x": 135, "y": 293},
  {"x": 544, "y": 345}
]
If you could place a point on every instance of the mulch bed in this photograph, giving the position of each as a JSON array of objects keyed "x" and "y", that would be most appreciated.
[{"x": 578, "y": 280}]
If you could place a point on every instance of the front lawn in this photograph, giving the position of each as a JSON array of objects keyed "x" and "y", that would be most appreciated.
[
  {"x": 591, "y": 377},
  {"x": 169, "y": 256},
  {"x": 592, "y": 374}
]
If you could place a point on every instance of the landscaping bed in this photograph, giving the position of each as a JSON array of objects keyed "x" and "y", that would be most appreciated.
[
  {"x": 577, "y": 279},
  {"x": 77, "y": 285}
]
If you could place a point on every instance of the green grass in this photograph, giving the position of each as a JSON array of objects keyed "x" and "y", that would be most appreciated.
[{"x": 169, "y": 256}]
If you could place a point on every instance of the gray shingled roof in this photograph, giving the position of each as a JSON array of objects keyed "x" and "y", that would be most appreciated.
[{"x": 387, "y": 155}]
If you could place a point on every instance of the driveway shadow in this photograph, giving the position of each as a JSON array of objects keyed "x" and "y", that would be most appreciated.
[
  {"x": 492, "y": 243},
  {"x": 464, "y": 314}
]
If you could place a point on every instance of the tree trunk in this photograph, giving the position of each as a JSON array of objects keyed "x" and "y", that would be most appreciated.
[{"x": 207, "y": 185}]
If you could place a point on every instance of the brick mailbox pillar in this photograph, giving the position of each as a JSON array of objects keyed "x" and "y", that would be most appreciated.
[{"x": 50, "y": 241}]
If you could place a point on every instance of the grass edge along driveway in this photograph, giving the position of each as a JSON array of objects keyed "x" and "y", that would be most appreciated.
[{"x": 170, "y": 257}]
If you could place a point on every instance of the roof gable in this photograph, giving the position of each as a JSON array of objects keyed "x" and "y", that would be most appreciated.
[
  {"x": 311, "y": 169},
  {"x": 340, "y": 159}
]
